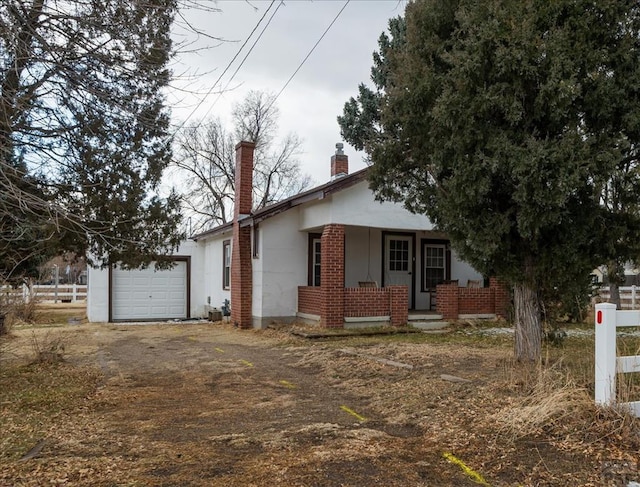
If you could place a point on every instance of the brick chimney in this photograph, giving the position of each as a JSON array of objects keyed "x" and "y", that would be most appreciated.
[
  {"x": 241, "y": 267},
  {"x": 339, "y": 163},
  {"x": 244, "y": 179}
]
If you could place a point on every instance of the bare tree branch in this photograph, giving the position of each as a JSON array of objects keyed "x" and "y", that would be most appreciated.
[{"x": 205, "y": 160}]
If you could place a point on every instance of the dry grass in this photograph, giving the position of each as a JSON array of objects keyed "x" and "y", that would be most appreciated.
[
  {"x": 16, "y": 312},
  {"x": 33, "y": 399},
  {"x": 194, "y": 415},
  {"x": 554, "y": 400},
  {"x": 48, "y": 348}
]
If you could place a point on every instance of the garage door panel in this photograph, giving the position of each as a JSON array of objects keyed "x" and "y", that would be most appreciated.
[{"x": 149, "y": 294}]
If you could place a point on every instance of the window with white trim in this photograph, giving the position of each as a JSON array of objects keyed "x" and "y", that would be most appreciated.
[
  {"x": 315, "y": 251},
  {"x": 434, "y": 265}
]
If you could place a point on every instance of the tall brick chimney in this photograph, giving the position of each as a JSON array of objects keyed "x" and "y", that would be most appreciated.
[
  {"x": 244, "y": 179},
  {"x": 241, "y": 269},
  {"x": 339, "y": 162}
]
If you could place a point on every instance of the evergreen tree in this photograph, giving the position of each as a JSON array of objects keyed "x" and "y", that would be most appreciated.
[
  {"x": 82, "y": 110},
  {"x": 26, "y": 239},
  {"x": 504, "y": 121}
]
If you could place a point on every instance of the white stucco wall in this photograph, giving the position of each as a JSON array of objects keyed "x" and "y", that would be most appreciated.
[
  {"x": 363, "y": 255},
  {"x": 257, "y": 263},
  {"x": 196, "y": 252},
  {"x": 211, "y": 284},
  {"x": 357, "y": 206},
  {"x": 97, "y": 295},
  {"x": 282, "y": 267}
]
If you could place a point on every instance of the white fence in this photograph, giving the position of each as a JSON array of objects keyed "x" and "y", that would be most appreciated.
[
  {"x": 608, "y": 364},
  {"x": 69, "y": 293},
  {"x": 629, "y": 296}
]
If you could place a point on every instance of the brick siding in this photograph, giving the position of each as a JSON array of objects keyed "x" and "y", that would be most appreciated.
[
  {"x": 399, "y": 297},
  {"x": 473, "y": 300},
  {"x": 452, "y": 301},
  {"x": 366, "y": 301},
  {"x": 502, "y": 297},
  {"x": 310, "y": 300},
  {"x": 447, "y": 300},
  {"x": 241, "y": 263},
  {"x": 390, "y": 301},
  {"x": 332, "y": 276},
  {"x": 339, "y": 164}
]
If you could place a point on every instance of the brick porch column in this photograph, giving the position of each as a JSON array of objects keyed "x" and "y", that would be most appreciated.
[
  {"x": 241, "y": 267},
  {"x": 447, "y": 300},
  {"x": 399, "y": 297},
  {"x": 502, "y": 297},
  {"x": 332, "y": 276}
]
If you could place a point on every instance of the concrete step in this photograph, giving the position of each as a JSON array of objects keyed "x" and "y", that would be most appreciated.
[
  {"x": 429, "y": 325},
  {"x": 424, "y": 317}
]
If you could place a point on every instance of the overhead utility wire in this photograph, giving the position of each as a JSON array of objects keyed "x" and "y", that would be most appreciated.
[
  {"x": 309, "y": 54},
  {"x": 183, "y": 123},
  {"x": 244, "y": 59}
]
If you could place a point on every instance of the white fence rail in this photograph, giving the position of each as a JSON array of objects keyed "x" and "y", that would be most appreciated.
[
  {"x": 629, "y": 296},
  {"x": 69, "y": 293},
  {"x": 608, "y": 364}
]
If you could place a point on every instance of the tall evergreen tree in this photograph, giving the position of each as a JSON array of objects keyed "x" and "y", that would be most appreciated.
[
  {"x": 504, "y": 121},
  {"x": 82, "y": 111}
]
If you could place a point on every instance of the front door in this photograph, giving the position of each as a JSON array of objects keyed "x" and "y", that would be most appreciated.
[
  {"x": 398, "y": 262},
  {"x": 435, "y": 271}
]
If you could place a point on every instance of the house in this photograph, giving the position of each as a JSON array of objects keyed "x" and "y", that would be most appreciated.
[{"x": 332, "y": 255}]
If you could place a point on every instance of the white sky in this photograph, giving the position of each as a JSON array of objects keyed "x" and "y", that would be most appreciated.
[{"x": 316, "y": 95}]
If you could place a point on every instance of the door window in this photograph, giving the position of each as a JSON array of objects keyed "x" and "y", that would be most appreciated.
[{"x": 398, "y": 255}]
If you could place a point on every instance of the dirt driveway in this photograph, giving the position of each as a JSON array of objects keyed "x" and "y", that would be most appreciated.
[
  {"x": 215, "y": 406},
  {"x": 209, "y": 405}
]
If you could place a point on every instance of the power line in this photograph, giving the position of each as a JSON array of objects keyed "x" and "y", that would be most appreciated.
[
  {"x": 309, "y": 53},
  {"x": 244, "y": 59},
  {"x": 183, "y": 123}
]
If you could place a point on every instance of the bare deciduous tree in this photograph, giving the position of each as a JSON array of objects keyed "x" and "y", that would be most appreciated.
[{"x": 206, "y": 159}]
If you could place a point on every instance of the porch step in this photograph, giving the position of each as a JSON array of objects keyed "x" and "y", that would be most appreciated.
[
  {"x": 429, "y": 325},
  {"x": 424, "y": 317}
]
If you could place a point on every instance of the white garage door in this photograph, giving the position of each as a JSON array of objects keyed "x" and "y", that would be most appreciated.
[{"x": 148, "y": 294}]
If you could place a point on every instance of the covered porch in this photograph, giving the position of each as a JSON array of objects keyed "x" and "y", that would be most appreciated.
[{"x": 369, "y": 276}]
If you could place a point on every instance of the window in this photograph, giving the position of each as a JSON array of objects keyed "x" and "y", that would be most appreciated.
[
  {"x": 256, "y": 241},
  {"x": 435, "y": 264},
  {"x": 398, "y": 255},
  {"x": 226, "y": 264},
  {"x": 315, "y": 255}
]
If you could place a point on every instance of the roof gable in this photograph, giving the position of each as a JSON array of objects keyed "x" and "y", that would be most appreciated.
[{"x": 317, "y": 193}]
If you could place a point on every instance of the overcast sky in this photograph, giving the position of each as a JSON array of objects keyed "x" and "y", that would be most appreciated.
[{"x": 315, "y": 97}]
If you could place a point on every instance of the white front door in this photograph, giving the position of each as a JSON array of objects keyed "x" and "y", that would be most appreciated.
[{"x": 398, "y": 262}]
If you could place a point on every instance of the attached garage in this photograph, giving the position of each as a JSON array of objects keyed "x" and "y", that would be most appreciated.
[{"x": 150, "y": 294}]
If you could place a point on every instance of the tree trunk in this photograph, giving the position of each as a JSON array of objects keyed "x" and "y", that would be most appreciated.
[
  {"x": 528, "y": 324},
  {"x": 615, "y": 276},
  {"x": 614, "y": 293}
]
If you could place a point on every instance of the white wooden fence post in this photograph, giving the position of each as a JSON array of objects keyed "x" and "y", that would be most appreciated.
[
  {"x": 605, "y": 381},
  {"x": 74, "y": 290},
  {"x": 633, "y": 296},
  {"x": 57, "y": 280}
]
